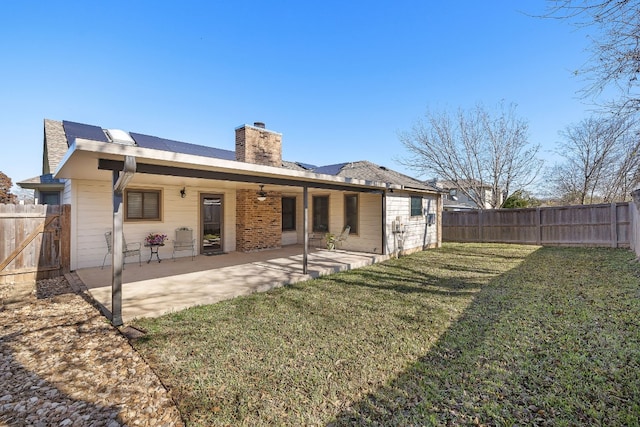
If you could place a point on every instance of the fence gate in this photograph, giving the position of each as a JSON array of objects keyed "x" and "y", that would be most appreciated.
[{"x": 34, "y": 242}]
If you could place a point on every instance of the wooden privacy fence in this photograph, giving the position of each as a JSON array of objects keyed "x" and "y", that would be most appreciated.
[
  {"x": 634, "y": 210},
  {"x": 590, "y": 225},
  {"x": 34, "y": 242}
]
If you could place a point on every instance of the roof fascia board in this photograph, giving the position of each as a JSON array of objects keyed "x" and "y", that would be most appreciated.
[
  {"x": 104, "y": 150},
  {"x": 40, "y": 186},
  {"x": 145, "y": 168},
  {"x": 186, "y": 165}
]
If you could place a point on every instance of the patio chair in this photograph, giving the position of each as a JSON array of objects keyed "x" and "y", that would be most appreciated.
[
  {"x": 128, "y": 250},
  {"x": 184, "y": 241},
  {"x": 343, "y": 236}
]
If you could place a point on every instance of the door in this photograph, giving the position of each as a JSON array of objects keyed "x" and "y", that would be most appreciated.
[{"x": 211, "y": 224}]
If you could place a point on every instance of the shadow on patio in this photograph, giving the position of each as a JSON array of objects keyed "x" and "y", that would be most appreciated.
[{"x": 157, "y": 288}]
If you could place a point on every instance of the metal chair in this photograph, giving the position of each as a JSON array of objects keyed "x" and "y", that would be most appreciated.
[
  {"x": 343, "y": 236},
  {"x": 128, "y": 250},
  {"x": 184, "y": 241}
]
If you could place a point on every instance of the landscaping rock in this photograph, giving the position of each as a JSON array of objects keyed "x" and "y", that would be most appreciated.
[{"x": 62, "y": 363}]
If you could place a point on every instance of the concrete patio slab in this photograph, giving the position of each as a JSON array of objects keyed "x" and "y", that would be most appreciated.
[{"x": 157, "y": 288}]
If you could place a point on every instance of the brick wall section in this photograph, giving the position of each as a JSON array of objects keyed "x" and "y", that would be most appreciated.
[
  {"x": 258, "y": 146},
  {"x": 258, "y": 224}
]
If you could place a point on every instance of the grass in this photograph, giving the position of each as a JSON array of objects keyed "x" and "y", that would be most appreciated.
[{"x": 464, "y": 335}]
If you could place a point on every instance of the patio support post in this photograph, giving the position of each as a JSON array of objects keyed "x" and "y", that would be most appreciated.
[
  {"x": 305, "y": 228},
  {"x": 120, "y": 181},
  {"x": 117, "y": 260}
]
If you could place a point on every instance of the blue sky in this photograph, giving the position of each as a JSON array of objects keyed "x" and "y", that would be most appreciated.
[{"x": 339, "y": 79}]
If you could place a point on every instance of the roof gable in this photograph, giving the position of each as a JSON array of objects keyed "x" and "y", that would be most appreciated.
[{"x": 54, "y": 145}]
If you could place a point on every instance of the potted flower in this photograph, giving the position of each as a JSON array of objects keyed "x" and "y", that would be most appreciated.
[
  {"x": 330, "y": 238},
  {"x": 155, "y": 239}
]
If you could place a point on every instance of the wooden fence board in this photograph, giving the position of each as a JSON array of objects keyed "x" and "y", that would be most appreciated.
[
  {"x": 591, "y": 225},
  {"x": 634, "y": 218},
  {"x": 34, "y": 242}
]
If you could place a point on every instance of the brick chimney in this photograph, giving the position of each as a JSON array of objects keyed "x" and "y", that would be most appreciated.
[{"x": 255, "y": 144}]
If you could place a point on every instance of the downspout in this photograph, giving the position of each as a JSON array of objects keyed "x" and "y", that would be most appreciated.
[{"x": 120, "y": 181}]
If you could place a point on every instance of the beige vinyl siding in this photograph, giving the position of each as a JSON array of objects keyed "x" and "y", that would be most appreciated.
[
  {"x": 368, "y": 238},
  {"x": 417, "y": 234},
  {"x": 93, "y": 217},
  {"x": 66, "y": 193}
]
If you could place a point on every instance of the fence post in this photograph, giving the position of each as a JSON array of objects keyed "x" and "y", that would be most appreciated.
[
  {"x": 65, "y": 238},
  {"x": 538, "y": 226},
  {"x": 634, "y": 211},
  {"x": 614, "y": 225},
  {"x": 480, "y": 239}
]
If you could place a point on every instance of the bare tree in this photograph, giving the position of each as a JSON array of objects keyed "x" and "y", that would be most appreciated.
[
  {"x": 601, "y": 161},
  {"x": 474, "y": 149},
  {"x": 5, "y": 190},
  {"x": 615, "y": 44}
]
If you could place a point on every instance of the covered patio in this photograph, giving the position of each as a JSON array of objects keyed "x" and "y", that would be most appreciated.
[{"x": 158, "y": 288}]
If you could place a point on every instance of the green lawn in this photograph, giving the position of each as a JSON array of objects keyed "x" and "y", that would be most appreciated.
[{"x": 463, "y": 335}]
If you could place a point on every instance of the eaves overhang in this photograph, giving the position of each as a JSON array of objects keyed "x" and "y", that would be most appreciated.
[
  {"x": 41, "y": 187},
  {"x": 87, "y": 159},
  {"x": 43, "y": 182}
]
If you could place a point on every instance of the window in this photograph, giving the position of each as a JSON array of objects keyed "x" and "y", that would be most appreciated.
[
  {"x": 351, "y": 212},
  {"x": 49, "y": 198},
  {"x": 288, "y": 213},
  {"x": 142, "y": 205},
  {"x": 416, "y": 206},
  {"x": 320, "y": 214}
]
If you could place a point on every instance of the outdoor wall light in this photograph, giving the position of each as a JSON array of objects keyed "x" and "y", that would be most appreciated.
[
  {"x": 183, "y": 193},
  {"x": 262, "y": 195}
]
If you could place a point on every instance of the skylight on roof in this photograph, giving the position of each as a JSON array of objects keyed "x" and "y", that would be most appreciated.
[{"x": 120, "y": 137}]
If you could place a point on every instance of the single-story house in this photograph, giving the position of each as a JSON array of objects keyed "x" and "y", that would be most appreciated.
[{"x": 243, "y": 200}]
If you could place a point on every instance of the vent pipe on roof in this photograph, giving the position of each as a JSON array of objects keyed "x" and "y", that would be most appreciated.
[{"x": 260, "y": 125}]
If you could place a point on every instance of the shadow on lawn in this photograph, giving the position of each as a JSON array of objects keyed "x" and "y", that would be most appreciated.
[
  {"x": 446, "y": 278},
  {"x": 440, "y": 388}
]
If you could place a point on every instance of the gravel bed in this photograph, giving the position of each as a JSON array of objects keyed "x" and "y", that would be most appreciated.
[{"x": 63, "y": 364}]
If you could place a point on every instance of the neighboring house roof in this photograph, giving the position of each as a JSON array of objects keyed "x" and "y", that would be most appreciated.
[
  {"x": 296, "y": 166},
  {"x": 370, "y": 171},
  {"x": 452, "y": 205},
  {"x": 43, "y": 182},
  {"x": 59, "y": 136},
  {"x": 463, "y": 183}
]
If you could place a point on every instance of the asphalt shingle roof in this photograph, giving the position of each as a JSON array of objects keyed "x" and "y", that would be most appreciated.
[
  {"x": 57, "y": 135},
  {"x": 55, "y": 145}
]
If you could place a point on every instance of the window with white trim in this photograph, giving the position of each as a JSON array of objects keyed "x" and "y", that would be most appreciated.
[{"x": 416, "y": 206}]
